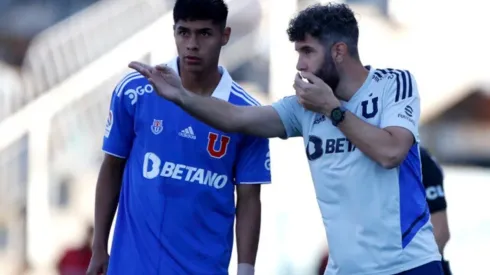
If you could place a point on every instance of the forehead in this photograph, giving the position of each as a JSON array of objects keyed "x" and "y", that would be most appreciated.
[
  {"x": 308, "y": 42},
  {"x": 196, "y": 24}
]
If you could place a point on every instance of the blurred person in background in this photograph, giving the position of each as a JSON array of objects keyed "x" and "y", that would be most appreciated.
[
  {"x": 323, "y": 263},
  {"x": 175, "y": 177},
  {"x": 433, "y": 178},
  {"x": 76, "y": 260},
  {"x": 360, "y": 127}
]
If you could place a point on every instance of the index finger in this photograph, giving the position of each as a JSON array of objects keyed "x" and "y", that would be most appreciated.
[{"x": 140, "y": 67}]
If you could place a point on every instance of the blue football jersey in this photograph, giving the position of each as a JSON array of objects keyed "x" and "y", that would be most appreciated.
[{"x": 176, "y": 208}]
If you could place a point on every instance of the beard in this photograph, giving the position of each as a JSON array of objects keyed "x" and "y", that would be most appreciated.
[{"x": 328, "y": 73}]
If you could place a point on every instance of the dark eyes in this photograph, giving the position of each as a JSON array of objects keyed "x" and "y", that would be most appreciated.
[{"x": 185, "y": 33}]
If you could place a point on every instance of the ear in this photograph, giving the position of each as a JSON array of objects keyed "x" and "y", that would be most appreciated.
[
  {"x": 339, "y": 51},
  {"x": 226, "y": 36}
]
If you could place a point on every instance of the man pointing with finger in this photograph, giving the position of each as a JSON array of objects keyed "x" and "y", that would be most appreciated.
[{"x": 360, "y": 130}]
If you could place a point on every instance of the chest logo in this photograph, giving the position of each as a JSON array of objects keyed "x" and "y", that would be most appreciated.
[
  {"x": 370, "y": 112},
  {"x": 217, "y": 145},
  {"x": 157, "y": 126}
]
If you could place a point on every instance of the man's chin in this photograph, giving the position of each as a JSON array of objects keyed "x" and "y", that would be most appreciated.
[{"x": 193, "y": 68}]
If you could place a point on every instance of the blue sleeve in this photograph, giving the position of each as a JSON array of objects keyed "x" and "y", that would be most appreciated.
[
  {"x": 253, "y": 165},
  {"x": 119, "y": 128},
  {"x": 290, "y": 112}
]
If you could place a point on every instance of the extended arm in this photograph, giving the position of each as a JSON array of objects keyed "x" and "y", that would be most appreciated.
[
  {"x": 260, "y": 121},
  {"x": 265, "y": 121}
]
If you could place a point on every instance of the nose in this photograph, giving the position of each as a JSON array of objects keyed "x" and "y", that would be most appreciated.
[
  {"x": 301, "y": 65},
  {"x": 192, "y": 43}
]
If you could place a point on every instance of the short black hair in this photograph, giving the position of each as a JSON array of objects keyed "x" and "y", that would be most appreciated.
[
  {"x": 331, "y": 23},
  {"x": 214, "y": 10}
]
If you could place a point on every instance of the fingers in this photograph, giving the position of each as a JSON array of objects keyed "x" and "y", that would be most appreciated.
[
  {"x": 152, "y": 82},
  {"x": 165, "y": 69},
  {"x": 300, "y": 95},
  {"x": 143, "y": 69},
  {"x": 310, "y": 77},
  {"x": 301, "y": 83}
]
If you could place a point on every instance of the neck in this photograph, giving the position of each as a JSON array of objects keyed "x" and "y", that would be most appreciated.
[
  {"x": 203, "y": 83},
  {"x": 352, "y": 78}
]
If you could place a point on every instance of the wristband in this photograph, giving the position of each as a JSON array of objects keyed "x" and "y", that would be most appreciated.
[{"x": 245, "y": 269}]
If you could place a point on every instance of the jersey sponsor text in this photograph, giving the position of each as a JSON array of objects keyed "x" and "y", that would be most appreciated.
[{"x": 152, "y": 168}]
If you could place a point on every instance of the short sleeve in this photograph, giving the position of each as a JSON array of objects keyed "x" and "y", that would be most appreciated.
[
  {"x": 433, "y": 180},
  {"x": 253, "y": 163},
  {"x": 290, "y": 112},
  {"x": 119, "y": 128},
  {"x": 401, "y": 102}
]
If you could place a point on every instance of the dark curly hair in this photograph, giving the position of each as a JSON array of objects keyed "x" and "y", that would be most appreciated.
[
  {"x": 330, "y": 23},
  {"x": 214, "y": 10}
]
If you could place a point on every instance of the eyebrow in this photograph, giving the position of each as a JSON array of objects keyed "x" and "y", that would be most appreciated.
[
  {"x": 304, "y": 47},
  {"x": 198, "y": 30}
]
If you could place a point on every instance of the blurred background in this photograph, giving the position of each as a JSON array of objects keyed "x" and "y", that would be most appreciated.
[{"x": 60, "y": 60}]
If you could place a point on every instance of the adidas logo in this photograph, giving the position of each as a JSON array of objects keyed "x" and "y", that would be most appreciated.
[{"x": 187, "y": 133}]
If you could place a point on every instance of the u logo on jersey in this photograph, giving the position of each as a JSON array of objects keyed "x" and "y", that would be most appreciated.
[
  {"x": 374, "y": 109},
  {"x": 217, "y": 145},
  {"x": 157, "y": 126}
]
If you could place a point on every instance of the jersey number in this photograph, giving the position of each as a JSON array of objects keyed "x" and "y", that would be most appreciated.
[
  {"x": 217, "y": 149},
  {"x": 374, "y": 109}
]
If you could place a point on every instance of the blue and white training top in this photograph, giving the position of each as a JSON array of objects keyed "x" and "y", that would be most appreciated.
[
  {"x": 176, "y": 208},
  {"x": 376, "y": 219}
]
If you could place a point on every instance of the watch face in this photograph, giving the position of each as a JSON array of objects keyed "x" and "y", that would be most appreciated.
[{"x": 337, "y": 114}]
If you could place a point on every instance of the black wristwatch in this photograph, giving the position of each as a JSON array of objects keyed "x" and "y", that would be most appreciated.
[{"x": 337, "y": 115}]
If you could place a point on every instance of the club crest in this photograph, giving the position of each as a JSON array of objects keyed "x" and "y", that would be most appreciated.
[{"x": 157, "y": 126}]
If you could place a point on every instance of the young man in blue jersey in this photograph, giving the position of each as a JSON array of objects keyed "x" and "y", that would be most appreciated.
[
  {"x": 360, "y": 127},
  {"x": 173, "y": 177}
]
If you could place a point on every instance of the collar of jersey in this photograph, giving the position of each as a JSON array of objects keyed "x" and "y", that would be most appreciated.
[
  {"x": 223, "y": 89},
  {"x": 365, "y": 86}
]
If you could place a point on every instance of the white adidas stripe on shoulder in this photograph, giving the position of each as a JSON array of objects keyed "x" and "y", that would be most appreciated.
[
  {"x": 240, "y": 89},
  {"x": 240, "y": 92},
  {"x": 125, "y": 81}
]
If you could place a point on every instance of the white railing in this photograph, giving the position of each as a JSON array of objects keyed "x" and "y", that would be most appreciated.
[{"x": 66, "y": 47}]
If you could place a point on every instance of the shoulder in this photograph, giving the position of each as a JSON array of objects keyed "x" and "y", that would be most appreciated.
[
  {"x": 390, "y": 75},
  {"x": 397, "y": 83},
  {"x": 132, "y": 86},
  {"x": 239, "y": 96}
]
